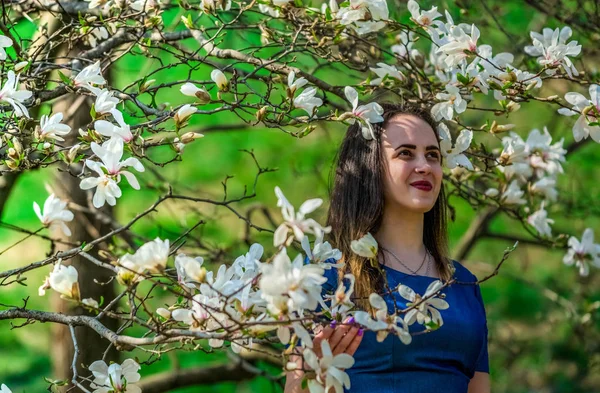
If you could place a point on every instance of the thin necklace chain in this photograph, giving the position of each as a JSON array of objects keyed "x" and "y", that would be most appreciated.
[{"x": 409, "y": 269}]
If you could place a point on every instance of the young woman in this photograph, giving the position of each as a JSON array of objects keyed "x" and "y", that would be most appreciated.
[{"x": 392, "y": 187}]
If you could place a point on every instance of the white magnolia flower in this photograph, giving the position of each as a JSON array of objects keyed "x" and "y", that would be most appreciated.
[
  {"x": 105, "y": 102},
  {"x": 295, "y": 84},
  {"x": 423, "y": 18},
  {"x": 191, "y": 90},
  {"x": 553, "y": 50},
  {"x": 513, "y": 158},
  {"x": 328, "y": 369},
  {"x": 153, "y": 255},
  {"x": 589, "y": 111},
  {"x": 386, "y": 70},
  {"x": 450, "y": 102},
  {"x": 540, "y": 221},
  {"x": 120, "y": 131},
  {"x": 383, "y": 323},
  {"x": 307, "y": 100},
  {"x": 5, "y": 389},
  {"x": 63, "y": 279},
  {"x": 210, "y": 6},
  {"x": 583, "y": 253},
  {"x": 11, "y": 95},
  {"x": 359, "y": 10},
  {"x": 220, "y": 79},
  {"x": 248, "y": 265},
  {"x": 129, "y": 272},
  {"x": 90, "y": 76},
  {"x": 425, "y": 311},
  {"x": 365, "y": 114},
  {"x": 453, "y": 155},
  {"x": 189, "y": 270},
  {"x": 52, "y": 128},
  {"x": 55, "y": 213},
  {"x": 545, "y": 186},
  {"x": 341, "y": 300},
  {"x": 366, "y": 246},
  {"x": 117, "y": 378},
  {"x": 545, "y": 158},
  {"x": 144, "y": 5},
  {"x": 93, "y": 35},
  {"x": 460, "y": 43},
  {"x": 295, "y": 221},
  {"x": 106, "y": 184},
  {"x": 5, "y": 42},
  {"x": 367, "y": 27},
  {"x": 513, "y": 195},
  {"x": 290, "y": 286},
  {"x": 183, "y": 114},
  {"x": 321, "y": 251},
  {"x": 265, "y": 9}
]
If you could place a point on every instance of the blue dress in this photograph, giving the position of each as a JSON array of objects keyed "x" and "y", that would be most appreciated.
[{"x": 444, "y": 360}]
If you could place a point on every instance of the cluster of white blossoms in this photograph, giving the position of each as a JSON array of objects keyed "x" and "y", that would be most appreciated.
[
  {"x": 151, "y": 257},
  {"x": 251, "y": 298},
  {"x": 135, "y": 5},
  {"x": 116, "y": 378}
]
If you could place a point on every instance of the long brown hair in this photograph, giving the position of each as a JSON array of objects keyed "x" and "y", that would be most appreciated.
[{"x": 357, "y": 202}]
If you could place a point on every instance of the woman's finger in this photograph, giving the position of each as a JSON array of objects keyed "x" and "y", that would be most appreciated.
[
  {"x": 355, "y": 342},
  {"x": 322, "y": 335},
  {"x": 345, "y": 342},
  {"x": 340, "y": 332}
]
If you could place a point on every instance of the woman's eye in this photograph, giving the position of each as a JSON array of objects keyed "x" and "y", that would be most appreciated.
[
  {"x": 404, "y": 151},
  {"x": 434, "y": 155}
]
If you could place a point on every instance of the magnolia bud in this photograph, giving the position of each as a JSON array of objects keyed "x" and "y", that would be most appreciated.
[
  {"x": 72, "y": 154},
  {"x": 513, "y": 106},
  {"x": 183, "y": 114},
  {"x": 496, "y": 128},
  {"x": 17, "y": 145},
  {"x": 12, "y": 153},
  {"x": 47, "y": 145},
  {"x": 531, "y": 86},
  {"x": 146, "y": 85},
  {"x": 261, "y": 113},
  {"x": 345, "y": 116},
  {"x": 21, "y": 66},
  {"x": 333, "y": 6},
  {"x": 190, "y": 137},
  {"x": 492, "y": 192},
  {"x": 163, "y": 312}
]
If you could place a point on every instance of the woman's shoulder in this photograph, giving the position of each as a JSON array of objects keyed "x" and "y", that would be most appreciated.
[{"x": 461, "y": 273}]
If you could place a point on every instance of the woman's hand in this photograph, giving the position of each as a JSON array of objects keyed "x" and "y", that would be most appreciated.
[{"x": 342, "y": 338}]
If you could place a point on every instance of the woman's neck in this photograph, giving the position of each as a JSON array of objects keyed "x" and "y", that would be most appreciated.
[{"x": 402, "y": 234}]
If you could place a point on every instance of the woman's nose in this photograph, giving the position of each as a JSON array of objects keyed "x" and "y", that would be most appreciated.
[{"x": 422, "y": 166}]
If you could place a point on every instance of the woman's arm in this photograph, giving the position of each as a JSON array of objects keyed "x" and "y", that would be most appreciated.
[{"x": 480, "y": 383}]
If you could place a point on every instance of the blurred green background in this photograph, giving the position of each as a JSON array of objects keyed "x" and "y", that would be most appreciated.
[{"x": 535, "y": 345}]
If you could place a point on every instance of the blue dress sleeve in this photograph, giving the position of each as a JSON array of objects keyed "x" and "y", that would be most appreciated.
[{"x": 483, "y": 360}]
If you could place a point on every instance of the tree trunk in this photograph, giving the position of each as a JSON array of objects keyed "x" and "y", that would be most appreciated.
[{"x": 93, "y": 280}]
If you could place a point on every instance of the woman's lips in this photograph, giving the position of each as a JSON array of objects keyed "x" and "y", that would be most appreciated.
[{"x": 422, "y": 185}]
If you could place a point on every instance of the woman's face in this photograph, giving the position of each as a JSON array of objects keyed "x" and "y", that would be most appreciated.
[{"x": 413, "y": 178}]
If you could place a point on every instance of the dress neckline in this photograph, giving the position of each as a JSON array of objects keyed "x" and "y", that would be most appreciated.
[{"x": 408, "y": 274}]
